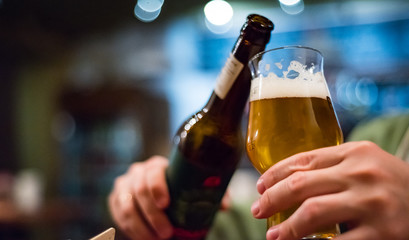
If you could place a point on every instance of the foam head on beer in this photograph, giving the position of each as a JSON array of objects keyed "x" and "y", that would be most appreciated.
[{"x": 297, "y": 81}]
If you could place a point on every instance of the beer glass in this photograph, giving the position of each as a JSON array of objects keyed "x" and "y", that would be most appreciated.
[{"x": 290, "y": 112}]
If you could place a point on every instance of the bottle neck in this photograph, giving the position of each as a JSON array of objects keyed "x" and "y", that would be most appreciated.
[{"x": 228, "y": 109}]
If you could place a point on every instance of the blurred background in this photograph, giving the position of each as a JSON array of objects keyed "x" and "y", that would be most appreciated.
[{"x": 88, "y": 87}]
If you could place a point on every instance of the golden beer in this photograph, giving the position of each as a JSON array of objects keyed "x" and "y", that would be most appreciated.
[
  {"x": 290, "y": 112},
  {"x": 281, "y": 127}
]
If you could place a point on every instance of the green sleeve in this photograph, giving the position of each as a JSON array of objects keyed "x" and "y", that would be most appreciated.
[
  {"x": 385, "y": 131},
  {"x": 237, "y": 224}
]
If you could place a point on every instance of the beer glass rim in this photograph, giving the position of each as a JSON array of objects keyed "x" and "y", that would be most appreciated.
[{"x": 283, "y": 48}]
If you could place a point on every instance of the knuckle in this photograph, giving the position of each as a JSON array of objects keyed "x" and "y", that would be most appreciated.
[
  {"x": 140, "y": 189},
  {"x": 266, "y": 202},
  {"x": 310, "y": 210},
  {"x": 292, "y": 231},
  {"x": 296, "y": 181},
  {"x": 270, "y": 177},
  {"x": 119, "y": 184},
  {"x": 127, "y": 210},
  {"x": 368, "y": 173},
  {"x": 379, "y": 201},
  {"x": 305, "y": 160},
  {"x": 152, "y": 162},
  {"x": 289, "y": 231},
  {"x": 158, "y": 159},
  {"x": 366, "y": 146},
  {"x": 118, "y": 181},
  {"x": 135, "y": 167},
  {"x": 273, "y": 177}
]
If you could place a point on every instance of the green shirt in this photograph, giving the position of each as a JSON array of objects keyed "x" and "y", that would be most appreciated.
[{"x": 386, "y": 131}]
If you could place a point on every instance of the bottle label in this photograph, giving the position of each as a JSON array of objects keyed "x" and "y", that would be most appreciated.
[
  {"x": 196, "y": 194},
  {"x": 227, "y": 76}
]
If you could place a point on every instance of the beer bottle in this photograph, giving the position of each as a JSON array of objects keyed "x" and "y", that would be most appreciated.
[{"x": 208, "y": 146}]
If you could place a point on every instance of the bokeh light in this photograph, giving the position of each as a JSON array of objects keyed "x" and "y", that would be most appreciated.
[
  {"x": 218, "y": 12},
  {"x": 292, "y": 7},
  {"x": 218, "y": 16},
  {"x": 148, "y": 10}
]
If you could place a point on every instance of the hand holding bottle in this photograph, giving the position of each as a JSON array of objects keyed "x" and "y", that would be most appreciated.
[
  {"x": 356, "y": 183},
  {"x": 138, "y": 200}
]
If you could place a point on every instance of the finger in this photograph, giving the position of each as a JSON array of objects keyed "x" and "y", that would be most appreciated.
[
  {"x": 133, "y": 224},
  {"x": 360, "y": 233},
  {"x": 156, "y": 181},
  {"x": 115, "y": 199},
  {"x": 125, "y": 214},
  {"x": 316, "y": 214},
  {"x": 311, "y": 160},
  {"x": 155, "y": 217},
  {"x": 136, "y": 230},
  {"x": 295, "y": 189}
]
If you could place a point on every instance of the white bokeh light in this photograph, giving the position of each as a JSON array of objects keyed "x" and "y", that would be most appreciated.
[
  {"x": 292, "y": 7},
  {"x": 289, "y": 2},
  {"x": 150, "y": 5},
  {"x": 148, "y": 10},
  {"x": 218, "y": 12}
]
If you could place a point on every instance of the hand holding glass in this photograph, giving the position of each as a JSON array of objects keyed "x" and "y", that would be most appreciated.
[{"x": 290, "y": 112}]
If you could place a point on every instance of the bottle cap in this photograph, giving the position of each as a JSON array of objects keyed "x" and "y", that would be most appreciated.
[{"x": 257, "y": 29}]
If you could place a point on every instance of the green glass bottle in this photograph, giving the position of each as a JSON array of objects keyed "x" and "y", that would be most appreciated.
[{"x": 208, "y": 146}]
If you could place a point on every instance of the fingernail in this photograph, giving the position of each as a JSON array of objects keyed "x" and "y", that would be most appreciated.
[
  {"x": 272, "y": 233},
  {"x": 260, "y": 186},
  {"x": 255, "y": 208}
]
